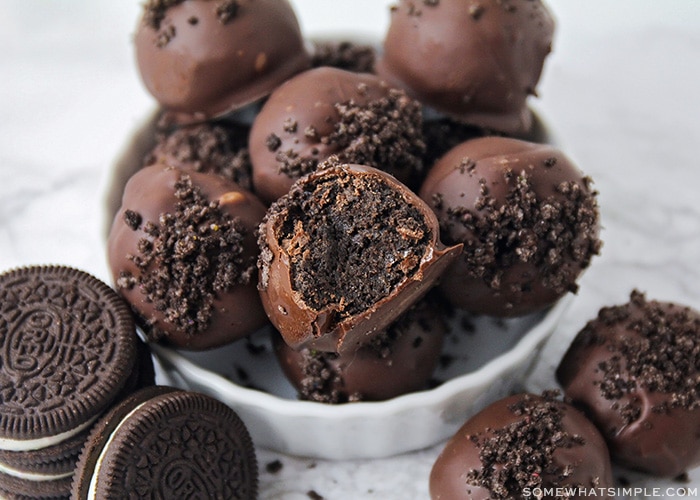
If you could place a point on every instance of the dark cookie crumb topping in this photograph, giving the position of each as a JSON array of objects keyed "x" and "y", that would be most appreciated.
[
  {"x": 188, "y": 258},
  {"x": 344, "y": 55},
  {"x": 351, "y": 239},
  {"x": 551, "y": 232},
  {"x": 219, "y": 148},
  {"x": 385, "y": 133},
  {"x": 443, "y": 134},
  {"x": 321, "y": 379},
  {"x": 521, "y": 455},
  {"x": 155, "y": 10},
  {"x": 663, "y": 357}
]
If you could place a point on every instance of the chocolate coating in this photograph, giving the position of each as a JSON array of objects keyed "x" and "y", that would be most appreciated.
[
  {"x": 204, "y": 58},
  {"x": 328, "y": 111},
  {"x": 634, "y": 372},
  {"x": 522, "y": 441},
  {"x": 397, "y": 361},
  {"x": 477, "y": 62},
  {"x": 343, "y": 254},
  {"x": 528, "y": 219},
  {"x": 182, "y": 251}
]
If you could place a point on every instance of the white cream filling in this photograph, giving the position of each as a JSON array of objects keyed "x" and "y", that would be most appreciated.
[
  {"x": 30, "y": 476},
  {"x": 92, "y": 490},
  {"x": 45, "y": 442}
]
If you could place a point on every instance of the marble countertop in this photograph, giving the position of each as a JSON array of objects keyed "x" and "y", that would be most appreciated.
[{"x": 620, "y": 91}]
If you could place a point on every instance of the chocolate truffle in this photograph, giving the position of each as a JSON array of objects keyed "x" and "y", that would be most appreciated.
[
  {"x": 328, "y": 111},
  {"x": 182, "y": 251},
  {"x": 399, "y": 360},
  {"x": 214, "y": 147},
  {"x": 475, "y": 61},
  {"x": 528, "y": 219},
  {"x": 204, "y": 58},
  {"x": 635, "y": 370},
  {"x": 520, "y": 443},
  {"x": 343, "y": 254}
]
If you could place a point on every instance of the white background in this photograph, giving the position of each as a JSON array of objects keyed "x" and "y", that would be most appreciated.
[{"x": 621, "y": 91}]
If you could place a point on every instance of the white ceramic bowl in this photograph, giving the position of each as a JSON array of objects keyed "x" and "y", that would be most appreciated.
[{"x": 486, "y": 364}]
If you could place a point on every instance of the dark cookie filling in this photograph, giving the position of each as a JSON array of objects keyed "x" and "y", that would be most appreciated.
[
  {"x": 344, "y": 55},
  {"x": 188, "y": 258},
  {"x": 521, "y": 454},
  {"x": 351, "y": 240},
  {"x": 219, "y": 148},
  {"x": 385, "y": 133},
  {"x": 551, "y": 231},
  {"x": 665, "y": 357}
]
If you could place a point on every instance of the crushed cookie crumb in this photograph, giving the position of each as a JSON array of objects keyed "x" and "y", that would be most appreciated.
[
  {"x": 386, "y": 133},
  {"x": 520, "y": 455},
  {"x": 274, "y": 467},
  {"x": 662, "y": 357},
  {"x": 549, "y": 231},
  {"x": 183, "y": 264}
]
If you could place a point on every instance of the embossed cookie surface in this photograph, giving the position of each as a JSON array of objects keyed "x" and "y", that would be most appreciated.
[
  {"x": 67, "y": 346},
  {"x": 167, "y": 443}
]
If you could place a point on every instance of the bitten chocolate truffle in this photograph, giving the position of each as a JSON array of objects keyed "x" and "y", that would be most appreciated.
[
  {"x": 344, "y": 254},
  {"x": 475, "y": 61},
  {"x": 528, "y": 219},
  {"x": 635, "y": 370},
  {"x": 399, "y": 360},
  {"x": 182, "y": 250},
  {"x": 204, "y": 58},
  {"x": 523, "y": 443},
  {"x": 328, "y": 111}
]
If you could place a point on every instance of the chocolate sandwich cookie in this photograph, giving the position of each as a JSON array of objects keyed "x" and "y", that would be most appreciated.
[
  {"x": 45, "y": 464},
  {"x": 67, "y": 350},
  {"x": 13, "y": 488},
  {"x": 43, "y": 473},
  {"x": 163, "y": 442},
  {"x": 144, "y": 372}
]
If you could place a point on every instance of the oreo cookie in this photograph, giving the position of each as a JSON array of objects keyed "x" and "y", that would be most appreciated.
[
  {"x": 162, "y": 442},
  {"x": 14, "y": 488},
  {"x": 68, "y": 350}
]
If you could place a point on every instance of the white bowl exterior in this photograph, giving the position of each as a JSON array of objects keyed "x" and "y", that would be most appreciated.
[{"x": 367, "y": 429}]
